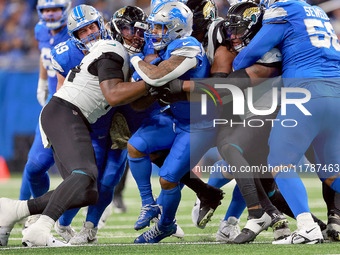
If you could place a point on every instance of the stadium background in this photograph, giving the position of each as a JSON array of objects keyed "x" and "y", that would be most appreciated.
[{"x": 19, "y": 68}]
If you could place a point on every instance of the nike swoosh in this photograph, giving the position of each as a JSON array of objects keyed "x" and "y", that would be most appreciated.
[
  {"x": 310, "y": 230},
  {"x": 185, "y": 43}
]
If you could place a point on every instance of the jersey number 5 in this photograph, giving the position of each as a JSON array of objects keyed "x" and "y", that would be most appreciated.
[{"x": 316, "y": 29}]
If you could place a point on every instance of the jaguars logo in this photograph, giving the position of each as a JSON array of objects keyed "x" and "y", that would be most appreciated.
[
  {"x": 251, "y": 13},
  {"x": 208, "y": 10},
  {"x": 120, "y": 12}
]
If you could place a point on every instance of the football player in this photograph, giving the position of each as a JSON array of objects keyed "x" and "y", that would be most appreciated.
[
  {"x": 182, "y": 55},
  {"x": 310, "y": 58},
  {"x": 50, "y": 31},
  {"x": 89, "y": 91}
]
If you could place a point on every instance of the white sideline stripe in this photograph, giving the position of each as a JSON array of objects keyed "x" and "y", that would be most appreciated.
[{"x": 129, "y": 244}]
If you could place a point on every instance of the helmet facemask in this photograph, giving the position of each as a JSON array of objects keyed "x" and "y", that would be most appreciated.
[{"x": 54, "y": 19}]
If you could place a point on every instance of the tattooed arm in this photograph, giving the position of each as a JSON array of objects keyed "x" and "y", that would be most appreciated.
[{"x": 166, "y": 71}]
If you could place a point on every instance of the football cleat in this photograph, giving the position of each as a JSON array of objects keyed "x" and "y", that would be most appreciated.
[
  {"x": 157, "y": 233},
  {"x": 148, "y": 212},
  {"x": 51, "y": 242},
  {"x": 88, "y": 234},
  {"x": 252, "y": 228},
  {"x": 179, "y": 232},
  {"x": 280, "y": 226},
  {"x": 37, "y": 234},
  {"x": 310, "y": 235},
  {"x": 30, "y": 220},
  {"x": 228, "y": 230},
  {"x": 8, "y": 217},
  {"x": 333, "y": 227},
  {"x": 66, "y": 232},
  {"x": 206, "y": 203}
]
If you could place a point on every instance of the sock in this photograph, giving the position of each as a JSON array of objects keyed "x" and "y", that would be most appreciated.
[
  {"x": 171, "y": 199},
  {"x": 25, "y": 192},
  {"x": 141, "y": 171},
  {"x": 289, "y": 181},
  {"x": 328, "y": 195},
  {"x": 304, "y": 220},
  {"x": 67, "y": 217},
  {"x": 95, "y": 211},
  {"x": 22, "y": 209},
  {"x": 336, "y": 184},
  {"x": 216, "y": 179},
  {"x": 237, "y": 205}
]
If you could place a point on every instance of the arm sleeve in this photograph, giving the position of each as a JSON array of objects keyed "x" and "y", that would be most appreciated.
[
  {"x": 267, "y": 38},
  {"x": 107, "y": 66},
  {"x": 186, "y": 65}
]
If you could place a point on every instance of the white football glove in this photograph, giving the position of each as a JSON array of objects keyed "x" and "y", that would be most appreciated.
[{"x": 42, "y": 91}]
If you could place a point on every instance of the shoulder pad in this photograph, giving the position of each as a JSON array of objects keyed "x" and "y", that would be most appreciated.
[
  {"x": 186, "y": 47},
  {"x": 41, "y": 32}
]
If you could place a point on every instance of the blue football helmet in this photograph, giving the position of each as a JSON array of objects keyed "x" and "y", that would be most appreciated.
[
  {"x": 175, "y": 20},
  {"x": 81, "y": 16},
  {"x": 56, "y": 20}
]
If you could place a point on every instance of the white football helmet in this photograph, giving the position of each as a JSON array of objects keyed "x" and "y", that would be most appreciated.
[
  {"x": 81, "y": 16},
  {"x": 154, "y": 3},
  {"x": 176, "y": 20},
  {"x": 56, "y": 20}
]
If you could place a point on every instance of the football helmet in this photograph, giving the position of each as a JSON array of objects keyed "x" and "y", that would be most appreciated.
[
  {"x": 81, "y": 16},
  {"x": 243, "y": 21},
  {"x": 173, "y": 18},
  {"x": 267, "y": 3},
  {"x": 154, "y": 3},
  {"x": 127, "y": 26},
  {"x": 57, "y": 19},
  {"x": 204, "y": 11}
]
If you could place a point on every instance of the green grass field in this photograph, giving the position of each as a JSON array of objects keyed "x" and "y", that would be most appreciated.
[{"x": 118, "y": 235}]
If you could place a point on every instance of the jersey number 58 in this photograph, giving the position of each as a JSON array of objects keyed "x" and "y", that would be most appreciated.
[{"x": 317, "y": 28}]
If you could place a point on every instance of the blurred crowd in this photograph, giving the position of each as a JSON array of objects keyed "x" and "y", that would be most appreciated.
[{"x": 19, "y": 49}]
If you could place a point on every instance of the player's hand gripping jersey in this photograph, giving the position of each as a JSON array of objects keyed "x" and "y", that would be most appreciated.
[{"x": 81, "y": 86}]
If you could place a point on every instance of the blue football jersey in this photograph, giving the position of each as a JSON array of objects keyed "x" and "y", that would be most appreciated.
[
  {"x": 65, "y": 56},
  {"x": 311, "y": 48},
  {"x": 303, "y": 33},
  {"x": 188, "y": 47},
  {"x": 46, "y": 43}
]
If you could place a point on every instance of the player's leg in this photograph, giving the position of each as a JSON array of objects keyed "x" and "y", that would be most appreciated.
[
  {"x": 287, "y": 146},
  {"x": 143, "y": 142},
  {"x": 185, "y": 152},
  {"x": 76, "y": 162}
]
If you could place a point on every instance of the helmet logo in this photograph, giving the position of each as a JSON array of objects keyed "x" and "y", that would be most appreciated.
[
  {"x": 248, "y": 13},
  {"x": 177, "y": 14},
  {"x": 208, "y": 10},
  {"x": 121, "y": 12}
]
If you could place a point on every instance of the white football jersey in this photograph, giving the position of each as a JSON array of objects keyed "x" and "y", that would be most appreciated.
[{"x": 83, "y": 90}]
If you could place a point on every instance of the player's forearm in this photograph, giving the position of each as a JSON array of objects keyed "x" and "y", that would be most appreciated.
[
  {"x": 267, "y": 38},
  {"x": 166, "y": 71},
  {"x": 120, "y": 93}
]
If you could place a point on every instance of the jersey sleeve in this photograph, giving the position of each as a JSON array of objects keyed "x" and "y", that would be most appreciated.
[
  {"x": 186, "y": 47},
  {"x": 60, "y": 58},
  {"x": 267, "y": 38}
]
